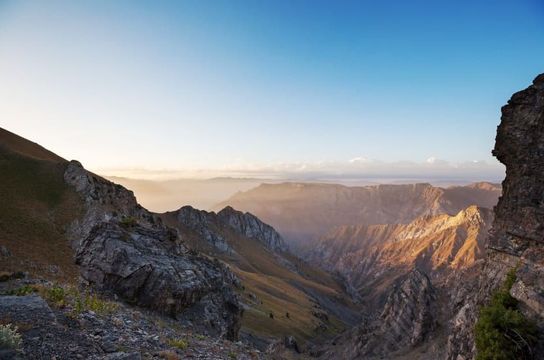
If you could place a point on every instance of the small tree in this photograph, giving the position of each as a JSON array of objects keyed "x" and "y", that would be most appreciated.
[{"x": 502, "y": 331}]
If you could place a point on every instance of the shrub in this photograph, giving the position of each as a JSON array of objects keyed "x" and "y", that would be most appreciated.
[
  {"x": 22, "y": 291},
  {"x": 502, "y": 331},
  {"x": 9, "y": 337},
  {"x": 56, "y": 295},
  {"x": 78, "y": 301},
  {"x": 128, "y": 222},
  {"x": 178, "y": 343}
]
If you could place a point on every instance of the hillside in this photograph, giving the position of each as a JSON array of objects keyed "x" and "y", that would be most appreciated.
[
  {"x": 75, "y": 247},
  {"x": 37, "y": 206},
  {"x": 306, "y": 302},
  {"x": 302, "y": 212}
]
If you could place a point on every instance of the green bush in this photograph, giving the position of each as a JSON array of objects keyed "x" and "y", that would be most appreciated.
[
  {"x": 179, "y": 343},
  {"x": 128, "y": 222},
  {"x": 22, "y": 291},
  {"x": 9, "y": 337},
  {"x": 87, "y": 301},
  {"x": 56, "y": 295},
  {"x": 502, "y": 332}
]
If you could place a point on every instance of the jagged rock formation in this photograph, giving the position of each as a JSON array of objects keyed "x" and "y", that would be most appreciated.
[
  {"x": 304, "y": 212},
  {"x": 203, "y": 223},
  {"x": 372, "y": 257},
  {"x": 407, "y": 319},
  {"x": 251, "y": 227},
  {"x": 517, "y": 235},
  {"x": 306, "y": 301},
  {"x": 210, "y": 225},
  {"x": 123, "y": 249}
]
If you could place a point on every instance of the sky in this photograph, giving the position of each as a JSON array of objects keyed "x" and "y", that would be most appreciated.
[{"x": 275, "y": 88}]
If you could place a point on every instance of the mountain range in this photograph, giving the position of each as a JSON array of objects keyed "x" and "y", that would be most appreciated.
[{"x": 280, "y": 271}]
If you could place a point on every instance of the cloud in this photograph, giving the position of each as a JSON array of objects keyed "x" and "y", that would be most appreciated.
[
  {"x": 432, "y": 169},
  {"x": 359, "y": 159}
]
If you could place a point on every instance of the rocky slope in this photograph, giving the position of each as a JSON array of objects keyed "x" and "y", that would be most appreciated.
[
  {"x": 406, "y": 320},
  {"x": 123, "y": 249},
  {"x": 517, "y": 235},
  {"x": 209, "y": 226},
  {"x": 282, "y": 295},
  {"x": 304, "y": 212},
  {"x": 56, "y": 327},
  {"x": 64, "y": 224},
  {"x": 370, "y": 258}
]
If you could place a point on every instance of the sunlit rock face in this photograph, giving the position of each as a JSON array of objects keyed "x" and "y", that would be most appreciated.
[
  {"x": 303, "y": 212},
  {"x": 371, "y": 257}
]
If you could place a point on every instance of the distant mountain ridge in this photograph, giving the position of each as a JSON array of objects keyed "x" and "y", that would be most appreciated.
[{"x": 303, "y": 212}]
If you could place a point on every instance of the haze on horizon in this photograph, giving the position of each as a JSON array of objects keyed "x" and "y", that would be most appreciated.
[{"x": 268, "y": 89}]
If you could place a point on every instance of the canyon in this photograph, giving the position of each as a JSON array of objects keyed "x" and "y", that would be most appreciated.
[{"x": 283, "y": 270}]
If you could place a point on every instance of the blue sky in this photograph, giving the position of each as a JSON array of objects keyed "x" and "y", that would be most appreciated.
[{"x": 202, "y": 87}]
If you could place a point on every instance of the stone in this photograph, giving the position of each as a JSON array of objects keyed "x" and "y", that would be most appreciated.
[{"x": 124, "y": 250}]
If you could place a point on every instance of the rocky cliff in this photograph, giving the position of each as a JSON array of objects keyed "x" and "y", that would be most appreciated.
[
  {"x": 251, "y": 227},
  {"x": 123, "y": 249},
  {"x": 517, "y": 235},
  {"x": 210, "y": 226},
  {"x": 406, "y": 320},
  {"x": 370, "y": 258}
]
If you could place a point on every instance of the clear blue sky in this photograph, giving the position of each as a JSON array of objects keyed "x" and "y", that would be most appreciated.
[{"x": 243, "y": 84}]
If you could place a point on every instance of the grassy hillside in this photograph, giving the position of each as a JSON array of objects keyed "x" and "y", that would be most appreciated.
[{"x": 36, "y": 206}]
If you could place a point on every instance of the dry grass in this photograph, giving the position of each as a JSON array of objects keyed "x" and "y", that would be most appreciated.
[
  {"x": 281, "y": 291},
  {"x": 169, "y": 355},
  {"x": 36, "y": 208}
]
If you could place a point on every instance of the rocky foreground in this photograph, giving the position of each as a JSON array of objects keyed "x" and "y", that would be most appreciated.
[{"x": 62, "y": 323}]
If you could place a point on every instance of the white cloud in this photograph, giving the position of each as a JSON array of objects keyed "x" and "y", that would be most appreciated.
[{"x": 356, "y": 168}]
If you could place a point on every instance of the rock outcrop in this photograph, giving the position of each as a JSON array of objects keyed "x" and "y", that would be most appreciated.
[
  {"x": 204, "y": 224},
  {"x": 123, "y": 249},
  {"x": 50, "y": 329},
  {"x": 407, "y": 319},
  {"x": 251, "y": 227},
  {"x": 517, "y": 235},
  {"x": 211, "y": 227}
]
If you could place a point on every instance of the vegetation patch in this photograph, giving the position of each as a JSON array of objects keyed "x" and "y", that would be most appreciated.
[
  {"x": 502, "y": 332},
  {"x": 178, "y": 343},
  {"x": 22, "y": 291},
  {"x": 76, "y": 300},
  {"x": 128, "y": 222},
  {"x": 9, "y": 337}
]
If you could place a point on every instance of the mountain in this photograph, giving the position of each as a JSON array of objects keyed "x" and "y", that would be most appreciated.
[
  {"x": 449, "y": 270},
  {"x": 165, "y": 195},
  {"x": 212, "y": 274},
  {"x": 516, "y": 241},
  {"x": 36, "y": 208},
  {"x": 74, "y": 246},
  {"x": 306, "y": 303},
  {"x": 372, "y": 257},
  {"x": 303, "y": 212}
]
